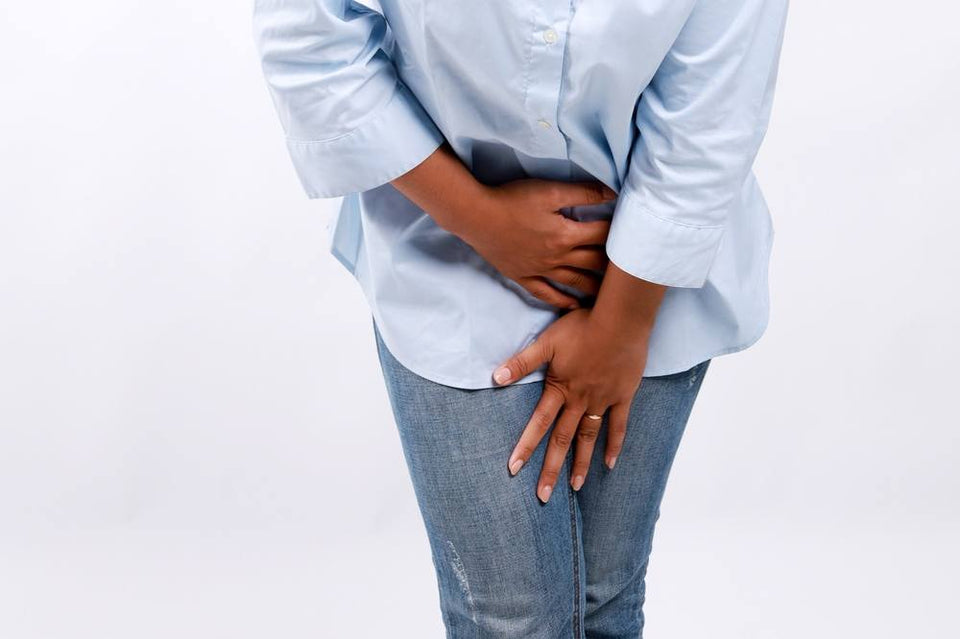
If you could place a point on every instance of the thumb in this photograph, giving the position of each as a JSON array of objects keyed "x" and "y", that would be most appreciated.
[{"x": 536, "y": 354}]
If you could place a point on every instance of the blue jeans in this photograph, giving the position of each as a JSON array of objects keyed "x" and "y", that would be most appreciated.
[{"x": 507, "y": 565}]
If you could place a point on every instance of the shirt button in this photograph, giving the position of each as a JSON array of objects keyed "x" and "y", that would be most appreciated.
[
  {"x": 543, "y": 124},
  {"x": 549, "y": 36}
]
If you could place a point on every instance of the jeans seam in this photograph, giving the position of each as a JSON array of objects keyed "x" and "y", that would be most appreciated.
[{"x": 577, "y": 631}]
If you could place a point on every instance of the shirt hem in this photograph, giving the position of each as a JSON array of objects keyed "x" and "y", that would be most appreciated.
[{"x": 540, "y": 375}]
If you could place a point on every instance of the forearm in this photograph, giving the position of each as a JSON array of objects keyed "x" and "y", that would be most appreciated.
[
  {"x": 445, "y": 189},
  {"x": 626, "y": 304}
]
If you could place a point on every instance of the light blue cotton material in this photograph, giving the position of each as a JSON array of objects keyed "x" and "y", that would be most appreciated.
[{"x": 665, "y": 101}]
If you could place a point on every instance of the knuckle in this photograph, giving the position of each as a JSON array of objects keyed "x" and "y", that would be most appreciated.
[
  {"x": 569, "y": 234},
  {"x": 519, "y": 367},
  {"x": 587, "y": 435},
  {"x": 553, "y": 260},
  {"x": 554, "y": 192},
  {"x": 541, "y": 348},
  {"x": 551, "y": 385},
  {"x": 558, "y": 240},
  {"x": 541, "y": 422},
  {"x": 576, "y": 279},
  {"x": 537, "y": 291},
  {"x": 561, "y": 438}
]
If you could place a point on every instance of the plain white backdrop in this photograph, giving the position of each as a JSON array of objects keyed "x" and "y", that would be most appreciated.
[{"x": 195, "y": 439}]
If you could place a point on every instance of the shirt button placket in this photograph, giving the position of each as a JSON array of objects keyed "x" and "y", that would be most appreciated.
[{"x": 546, "y": 75}]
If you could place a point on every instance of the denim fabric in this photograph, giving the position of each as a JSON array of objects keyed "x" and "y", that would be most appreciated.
[{"x": 507, "y": 565}]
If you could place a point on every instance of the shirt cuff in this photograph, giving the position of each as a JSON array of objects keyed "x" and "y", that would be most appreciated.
[
  {"x": 396, "y": 138},
  {"x": 660, "y": 250}
]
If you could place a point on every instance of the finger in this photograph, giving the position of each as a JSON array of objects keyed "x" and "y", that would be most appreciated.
[
  {"x": 575, "y": 278},
  {"x": 586, "y": 441},
  {"x": 575, "y": 193},
  {"x": 543, "y": 291},
  {"x": 616, "y": 432},
  {"x": 590, "y": 258},
  {"x": 588, "y": 233},
  {"x": 557, "y": 447},
  {"x": 551, "y": 401},
  {"x": 535, "y": 355}
]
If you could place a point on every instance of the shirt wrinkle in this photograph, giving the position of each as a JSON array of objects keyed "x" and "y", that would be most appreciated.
[{"x": 666, "y": 102}]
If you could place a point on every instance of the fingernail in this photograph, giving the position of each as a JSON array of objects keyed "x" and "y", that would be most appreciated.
[
  {"x": 607, "y": 191},
  {"x": 515, "y": 466},
  {"x": 577, "y": 482},
  {"x": 501, "y": 375},
  {"x": 611, "y": 462},
  {"x": 545, "y": 493}
]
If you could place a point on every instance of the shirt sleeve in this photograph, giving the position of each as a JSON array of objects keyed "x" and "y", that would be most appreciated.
[
  {"x": 350, "y": 122},
  {"x": 699, "y": 127}
]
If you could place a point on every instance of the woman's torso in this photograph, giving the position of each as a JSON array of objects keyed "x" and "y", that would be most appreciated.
[{"x": 546, "y": 89}]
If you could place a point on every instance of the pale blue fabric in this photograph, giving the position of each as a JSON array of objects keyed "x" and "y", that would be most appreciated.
[{"x": 665, "y": 101}]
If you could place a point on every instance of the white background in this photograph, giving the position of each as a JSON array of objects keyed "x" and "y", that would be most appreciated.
[{"x": 195, "y": 440}]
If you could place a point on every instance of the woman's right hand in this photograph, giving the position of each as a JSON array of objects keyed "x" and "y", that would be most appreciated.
[{"x": 518, "y": 228}]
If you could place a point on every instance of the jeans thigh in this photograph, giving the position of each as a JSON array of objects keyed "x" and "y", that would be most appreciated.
[
  {"x": 620, "y": 507},
  {"x": 507, "y": 565}
]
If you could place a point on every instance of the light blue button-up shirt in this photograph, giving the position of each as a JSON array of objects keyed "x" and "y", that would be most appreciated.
[{"x": 665, "y": 101}]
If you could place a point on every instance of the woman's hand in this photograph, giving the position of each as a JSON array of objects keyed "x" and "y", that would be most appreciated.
[
  {"x": 520, "y": 231},
  {"x": 596, "y": 361},
  {"x": 516, "y": 226}
]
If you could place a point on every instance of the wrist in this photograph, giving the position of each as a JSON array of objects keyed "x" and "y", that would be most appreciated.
[
  {"x": 626, "y": 304},
  {"x": 448, "y": 192},
  {"x": 468, "y": 213}
]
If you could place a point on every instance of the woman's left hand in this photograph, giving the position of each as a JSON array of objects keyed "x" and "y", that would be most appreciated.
[{"x": 594, "y": 365}]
